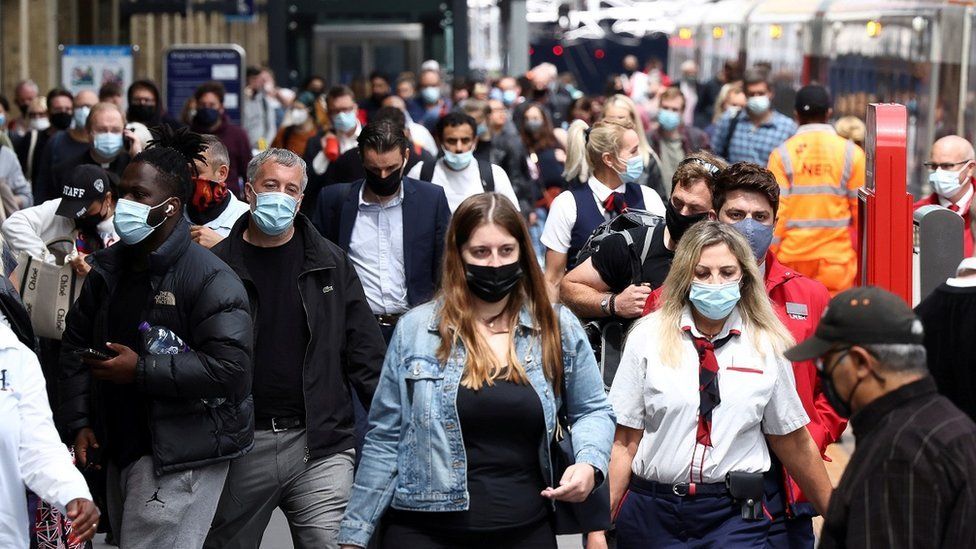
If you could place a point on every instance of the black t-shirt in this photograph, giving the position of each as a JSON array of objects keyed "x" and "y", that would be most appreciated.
[
  {"x": 614, "y": 260},
  {"x": 127, "y": 414},
  {"x": 282, "y": 329},
  {"x": 502, "y": 426}
]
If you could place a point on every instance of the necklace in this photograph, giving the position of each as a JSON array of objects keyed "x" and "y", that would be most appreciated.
[{"x": 490, "y": 324}]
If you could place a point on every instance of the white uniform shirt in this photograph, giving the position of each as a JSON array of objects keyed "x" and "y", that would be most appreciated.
[
  {"x": 758, "y": 395},
  {"x": 224, "y": 222},
  {"x": 31, "y": 453},
  {"x": 459, "y": 185},
  {"x": 558, "y": 231},
  {"x": 376, "y": 251}
]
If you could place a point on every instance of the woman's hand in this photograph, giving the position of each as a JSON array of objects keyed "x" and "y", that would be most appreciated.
[
  {"x": 575, "y": 486},
  {"x": 84, "y": 519},
  {"x": 596, "y": 540}
]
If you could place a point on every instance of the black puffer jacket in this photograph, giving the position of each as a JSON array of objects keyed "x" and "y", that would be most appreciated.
[{"x": 200, "y": 407}]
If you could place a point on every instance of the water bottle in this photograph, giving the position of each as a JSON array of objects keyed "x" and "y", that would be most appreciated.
[{"x": 158, "y": 340}]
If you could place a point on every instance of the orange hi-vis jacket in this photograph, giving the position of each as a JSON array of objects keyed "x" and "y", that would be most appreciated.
[{"x": 819, "y": 174}]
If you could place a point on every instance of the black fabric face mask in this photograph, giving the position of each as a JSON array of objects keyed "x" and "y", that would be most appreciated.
[
  {"x": 88, "y": 223},
  {"x": 142, "y": 113},
  {"x": 677, "y": 223},
  {"x": 61, "y": 120},
  {"x": 492, "y": 284},
  {"x": 843, "y": 408},
  {"x": 384, "y": 186}
]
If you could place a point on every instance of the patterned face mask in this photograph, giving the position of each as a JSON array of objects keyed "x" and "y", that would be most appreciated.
[{"x": 207, "y": 194}]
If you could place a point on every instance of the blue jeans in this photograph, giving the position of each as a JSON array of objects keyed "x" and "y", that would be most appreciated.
[{"x": 535, "y": 232}]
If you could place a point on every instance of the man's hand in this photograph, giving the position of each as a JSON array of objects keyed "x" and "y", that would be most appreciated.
[
  {"x": 630, "y": 302},
  {"x": 84, "y": 517},
  {"x": 78, "y": 264},
  {"x": 596, "y": 540},
  {"x": 205, "y": 236},
  {"x": 136, "y": 146},
  {"x": 84, "y": 440},
  {"x": 119, "y": 369},
  {"x": 575, "y": 486}
]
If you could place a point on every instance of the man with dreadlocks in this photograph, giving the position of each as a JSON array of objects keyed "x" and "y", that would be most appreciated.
[{"x": 168, "y": 423}]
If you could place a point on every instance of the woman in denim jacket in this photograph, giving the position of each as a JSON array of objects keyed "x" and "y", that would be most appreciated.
[{"x": 466, "y": 406}]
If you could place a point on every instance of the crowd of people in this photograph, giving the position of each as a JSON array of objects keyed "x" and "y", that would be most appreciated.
[{"x": 388, "y": 309}]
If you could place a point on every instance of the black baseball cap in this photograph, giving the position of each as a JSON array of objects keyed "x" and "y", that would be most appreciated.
[
  {"x": 860, "y": 316},
  {"x": 85, "y": 184},
  {"x": 812, "y": 99}
]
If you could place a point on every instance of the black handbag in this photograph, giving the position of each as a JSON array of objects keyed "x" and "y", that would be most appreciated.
[{"x": 591, "y": 514}]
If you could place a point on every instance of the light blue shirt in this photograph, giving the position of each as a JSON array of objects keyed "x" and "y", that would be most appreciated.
[{"x": 376, "y": 251}]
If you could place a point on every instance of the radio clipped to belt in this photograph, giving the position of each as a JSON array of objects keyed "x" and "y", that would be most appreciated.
[{"x": 746, "y": 489}]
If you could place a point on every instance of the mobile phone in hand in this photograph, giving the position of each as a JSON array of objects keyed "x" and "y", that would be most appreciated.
[{"x": 93, "y": 354}]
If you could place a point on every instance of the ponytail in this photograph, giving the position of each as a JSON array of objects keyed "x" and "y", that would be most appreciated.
[{"x": 576, "y": 167}]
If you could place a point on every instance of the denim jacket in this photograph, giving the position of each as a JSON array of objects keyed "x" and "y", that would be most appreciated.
[{"x": 414, "y": 457}]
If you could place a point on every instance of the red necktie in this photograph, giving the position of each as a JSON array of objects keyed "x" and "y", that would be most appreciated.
[
  {"x": 615, "y": 203},
  {"x": 954, "y": 207},
  {"x": 708, "y": 394}
]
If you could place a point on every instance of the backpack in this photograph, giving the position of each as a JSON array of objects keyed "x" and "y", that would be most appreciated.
[
  {"x": 484, "y": 171},
  {"x": 606, "y": 335}
]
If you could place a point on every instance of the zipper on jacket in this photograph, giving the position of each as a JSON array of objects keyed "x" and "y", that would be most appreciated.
[{"x": 308, "y": 323}]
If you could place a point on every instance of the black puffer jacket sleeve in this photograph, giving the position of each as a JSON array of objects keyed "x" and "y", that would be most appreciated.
[
  {"x": 74, "y": 378},
  {"x": 219, "y": 362}
]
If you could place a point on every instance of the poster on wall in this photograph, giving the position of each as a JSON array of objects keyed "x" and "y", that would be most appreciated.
[
  {"x": 186, "y": 67},
  {"x": 90, "y": 67}
]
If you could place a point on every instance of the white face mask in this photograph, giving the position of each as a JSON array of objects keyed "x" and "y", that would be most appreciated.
[
  {"x": 40, "y": 124},
  {"x": 299, "y": 116},
  {"x": 946, "y": 183}
]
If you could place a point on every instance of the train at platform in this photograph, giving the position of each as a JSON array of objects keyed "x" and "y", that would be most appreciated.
[{"x": 917, "y": 53}]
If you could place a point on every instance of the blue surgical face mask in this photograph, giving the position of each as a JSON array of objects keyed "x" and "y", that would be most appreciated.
[
  {"x": 669, "y": 120},
  {"x": 482, "y": 129},
  {"x": 758, "y": 235},
  {"x": 131, "y": 220},
  {"x": 273, "y": 212},
  {"x": 458, "y": 161},
  {"x": 714, "y": 301},
  {"x": 81, "y": 116},
  {"x": 431, "y": 94},
  {"x": 945, "y": 183},
  {"x": 509, "y": 97},
  {"x": 635, "y": 168},
  {"x": 107, "y": 145},
  {"x": 758, "y": 104},
  {"x": 3, "y": 121},
  {"x": 345, "y": 121}
]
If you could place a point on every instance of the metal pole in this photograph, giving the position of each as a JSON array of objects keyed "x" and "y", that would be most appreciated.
[
  {"x": 278, "y": 40},
  {"x": 461, "y": 37},
  {"x": 518, "y": 38}
]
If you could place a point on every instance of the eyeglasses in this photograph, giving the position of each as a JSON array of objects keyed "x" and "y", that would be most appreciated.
[{"x": 944, "y": 165}]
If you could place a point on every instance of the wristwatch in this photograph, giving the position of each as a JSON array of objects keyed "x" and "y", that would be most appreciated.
[{"x": 605, "y": 304}]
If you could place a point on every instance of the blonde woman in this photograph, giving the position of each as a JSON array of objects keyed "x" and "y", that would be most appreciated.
[
  {"x": 610, "y": 152},
  {"x": 457, "y": 451},
  {"x": 730, "y": 101},
  {"x": 702, "y": 386}
]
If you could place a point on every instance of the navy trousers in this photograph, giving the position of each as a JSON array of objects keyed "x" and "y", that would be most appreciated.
[
  {"x": 647, "y": 519},
  {"x": 795, "y": 532}
]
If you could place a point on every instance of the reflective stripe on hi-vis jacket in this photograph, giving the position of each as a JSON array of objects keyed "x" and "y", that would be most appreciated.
[{"x": 819, "y": 174}]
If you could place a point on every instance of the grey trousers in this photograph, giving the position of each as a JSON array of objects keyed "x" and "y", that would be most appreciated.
[
  {"x": 174, "y": 510},
  {"x": 312, "y": 495}
]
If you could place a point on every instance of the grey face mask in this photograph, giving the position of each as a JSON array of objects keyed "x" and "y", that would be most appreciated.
[{"x": 758, "y": 235}]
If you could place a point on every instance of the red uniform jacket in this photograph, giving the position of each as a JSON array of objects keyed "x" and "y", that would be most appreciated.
[
  {"x": 967, "y": 238},
  {"x": 799, "y": 301}
]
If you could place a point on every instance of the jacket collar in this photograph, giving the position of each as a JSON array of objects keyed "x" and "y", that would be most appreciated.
[
  {"x": 776, "y": 272},
  {"x": 868, "y": 418},
  {"x": 317, "y": 253},
  {"x": 110, "y": 260},
  {"x": 526, "y": 320}
]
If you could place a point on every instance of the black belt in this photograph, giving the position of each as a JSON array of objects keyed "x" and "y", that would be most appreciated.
[
  {"x": 278, "y": 424},
  {"x": 388, "y": 320},
  {"x": 680, "y": 489}
]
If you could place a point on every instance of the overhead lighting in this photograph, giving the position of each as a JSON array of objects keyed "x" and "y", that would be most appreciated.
[
  {"x": 874, "y": 28},
  {"x": 775, "y": 31},
  {"x": 684, "y": 33},
  {"x": 718, "y": 32}
]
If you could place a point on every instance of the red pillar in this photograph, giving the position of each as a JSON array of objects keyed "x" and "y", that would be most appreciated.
[{"x": 885, "y": 213}]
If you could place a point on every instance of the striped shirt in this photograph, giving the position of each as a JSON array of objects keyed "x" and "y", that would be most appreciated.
[
  {"x": 751, "y": 143},
  {"x": 911, "y": 482}
]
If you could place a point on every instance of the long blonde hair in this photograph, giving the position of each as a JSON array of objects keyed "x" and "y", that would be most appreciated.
[
  {"x": 644, "y": 146},
  {"x": 457, "y": 320},
  {"x": 585, "y": 145},
  {"x": 759, "y": 320}
]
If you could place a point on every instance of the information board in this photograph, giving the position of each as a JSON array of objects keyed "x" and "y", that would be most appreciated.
[
  {"x": 186, "y": 67},
  {"x": 89, "y": 67}
]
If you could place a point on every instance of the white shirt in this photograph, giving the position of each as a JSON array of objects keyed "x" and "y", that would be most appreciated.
[
  {"x": 459, "y": 185},
  {"x": 225, "y": 221},
  {"x": 558, "y": 231},
  {"x": 758, "y": 395},
  {"x": 376, "y": 251},
  {"x": 31, "y": 454},
  {"x": 346, "y": 142},
  {"x": 29, "y": 230},
  {"x": 962, "y": 205}
]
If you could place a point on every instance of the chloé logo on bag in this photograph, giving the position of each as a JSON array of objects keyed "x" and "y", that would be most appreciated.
[
  {"x": 3, "y": 380},
  {"x": 166, "y": 298}
]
